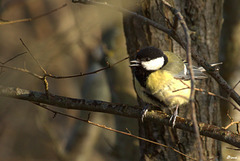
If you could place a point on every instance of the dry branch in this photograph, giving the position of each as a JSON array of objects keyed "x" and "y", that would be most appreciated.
[{"x": 120, "y": 109}]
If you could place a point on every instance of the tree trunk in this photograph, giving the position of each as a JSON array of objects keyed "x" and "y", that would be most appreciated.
[{"x": 204, "y": 20}]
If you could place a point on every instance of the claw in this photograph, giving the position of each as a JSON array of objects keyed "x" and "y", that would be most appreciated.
[
  {"x": 144, "y": 111},
  {"x": 174, "y": 116}
]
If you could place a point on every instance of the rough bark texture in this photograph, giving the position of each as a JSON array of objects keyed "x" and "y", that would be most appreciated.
[{"x": 204, "y": 19}]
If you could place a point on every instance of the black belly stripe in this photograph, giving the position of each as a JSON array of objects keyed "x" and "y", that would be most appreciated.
[
  {"x": 152, "y": 97},
  {"x": 141, "y": 75}
]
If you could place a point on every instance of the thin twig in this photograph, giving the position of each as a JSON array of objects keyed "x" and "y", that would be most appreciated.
[
  {"x": 22, "y": 70},
  {"x": 46, "y": 74},
  {"x": 63, "y": 77},
  {"x": 88, "y": 73},
  {"x": 232, "y": 123},
  {"x": 34, "y": 18},
  {"x": 40, "y": 66},
  {"x": 165, "y": 18},
  {"x": 113, "y": 130},
  {"x": 229, "y": 94},
  {"x": 228, "y": 115},
  {"x": 209, "y": 93},
  {"x": 236, "y": 84},
  {"x": 14, "y": 57},
  {"x": 221, "y": 97}
]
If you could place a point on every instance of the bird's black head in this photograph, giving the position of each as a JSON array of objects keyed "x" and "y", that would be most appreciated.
[
  {"x": 147, "y": 61},
  {"x": 150, "y": 59}
]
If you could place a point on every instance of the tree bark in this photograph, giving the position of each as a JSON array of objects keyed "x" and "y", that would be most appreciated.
[{"x": 204, "y": 19}]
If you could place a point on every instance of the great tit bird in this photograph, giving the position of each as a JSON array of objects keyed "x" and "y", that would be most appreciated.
[{"x": 162, "y": 79}]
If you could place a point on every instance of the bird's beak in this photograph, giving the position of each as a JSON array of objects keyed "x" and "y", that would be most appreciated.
[{"x": 134, "y": 63}]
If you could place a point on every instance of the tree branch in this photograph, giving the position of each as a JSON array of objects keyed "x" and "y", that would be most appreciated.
[
  {"x": 208, "y": 130},
  {"x": 120, "y": 109},
  {"x": 71, "y": 103}
]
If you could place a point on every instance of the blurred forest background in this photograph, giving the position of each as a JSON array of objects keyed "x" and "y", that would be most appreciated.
[{"x": 79, "y": 38}]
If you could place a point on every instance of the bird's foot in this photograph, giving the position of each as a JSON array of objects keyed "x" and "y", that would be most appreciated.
[
  {"x": 174, "y": 116},
  {"x": 173, "y": 119},
  {"x": 144, "y": 111}
]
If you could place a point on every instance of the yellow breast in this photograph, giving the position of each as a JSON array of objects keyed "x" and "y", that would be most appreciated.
[{"x": 168, "y": 89}]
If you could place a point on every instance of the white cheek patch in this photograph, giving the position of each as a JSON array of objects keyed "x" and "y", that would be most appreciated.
[{"x": 154, "y": 64}]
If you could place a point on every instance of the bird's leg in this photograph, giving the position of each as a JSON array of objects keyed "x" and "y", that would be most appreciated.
[{"x": 174, "y": 116}]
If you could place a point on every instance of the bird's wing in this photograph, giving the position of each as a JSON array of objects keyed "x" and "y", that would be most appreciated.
[{"x": 197, "y": 71}]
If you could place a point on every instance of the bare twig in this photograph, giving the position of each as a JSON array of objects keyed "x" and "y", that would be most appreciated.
[
  {"x": 46, "y": 74},
  {"x": 233, "y": 88},
  {"x": 236, "y": 84},
  {"x": 22, "y": 70},
  {"x": 89, "y": 73},
  {"x": 221, "y": 97},
  {"x": 113, "y": 130},
  {"x": 14, "y": 57},
  {"x": 228, "y": 115},
  {"x": 232, "y": 123},
  {"x": 56, "y": 142},
  {"x": 40, "y": 66},
  {"x": 31, "y": 19},
  {"x": 211, "y": 94},
  {"x": 63, "y": 77},
  {"x": 44, "y": 77},
  {"x": 165, "y": 18}
]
